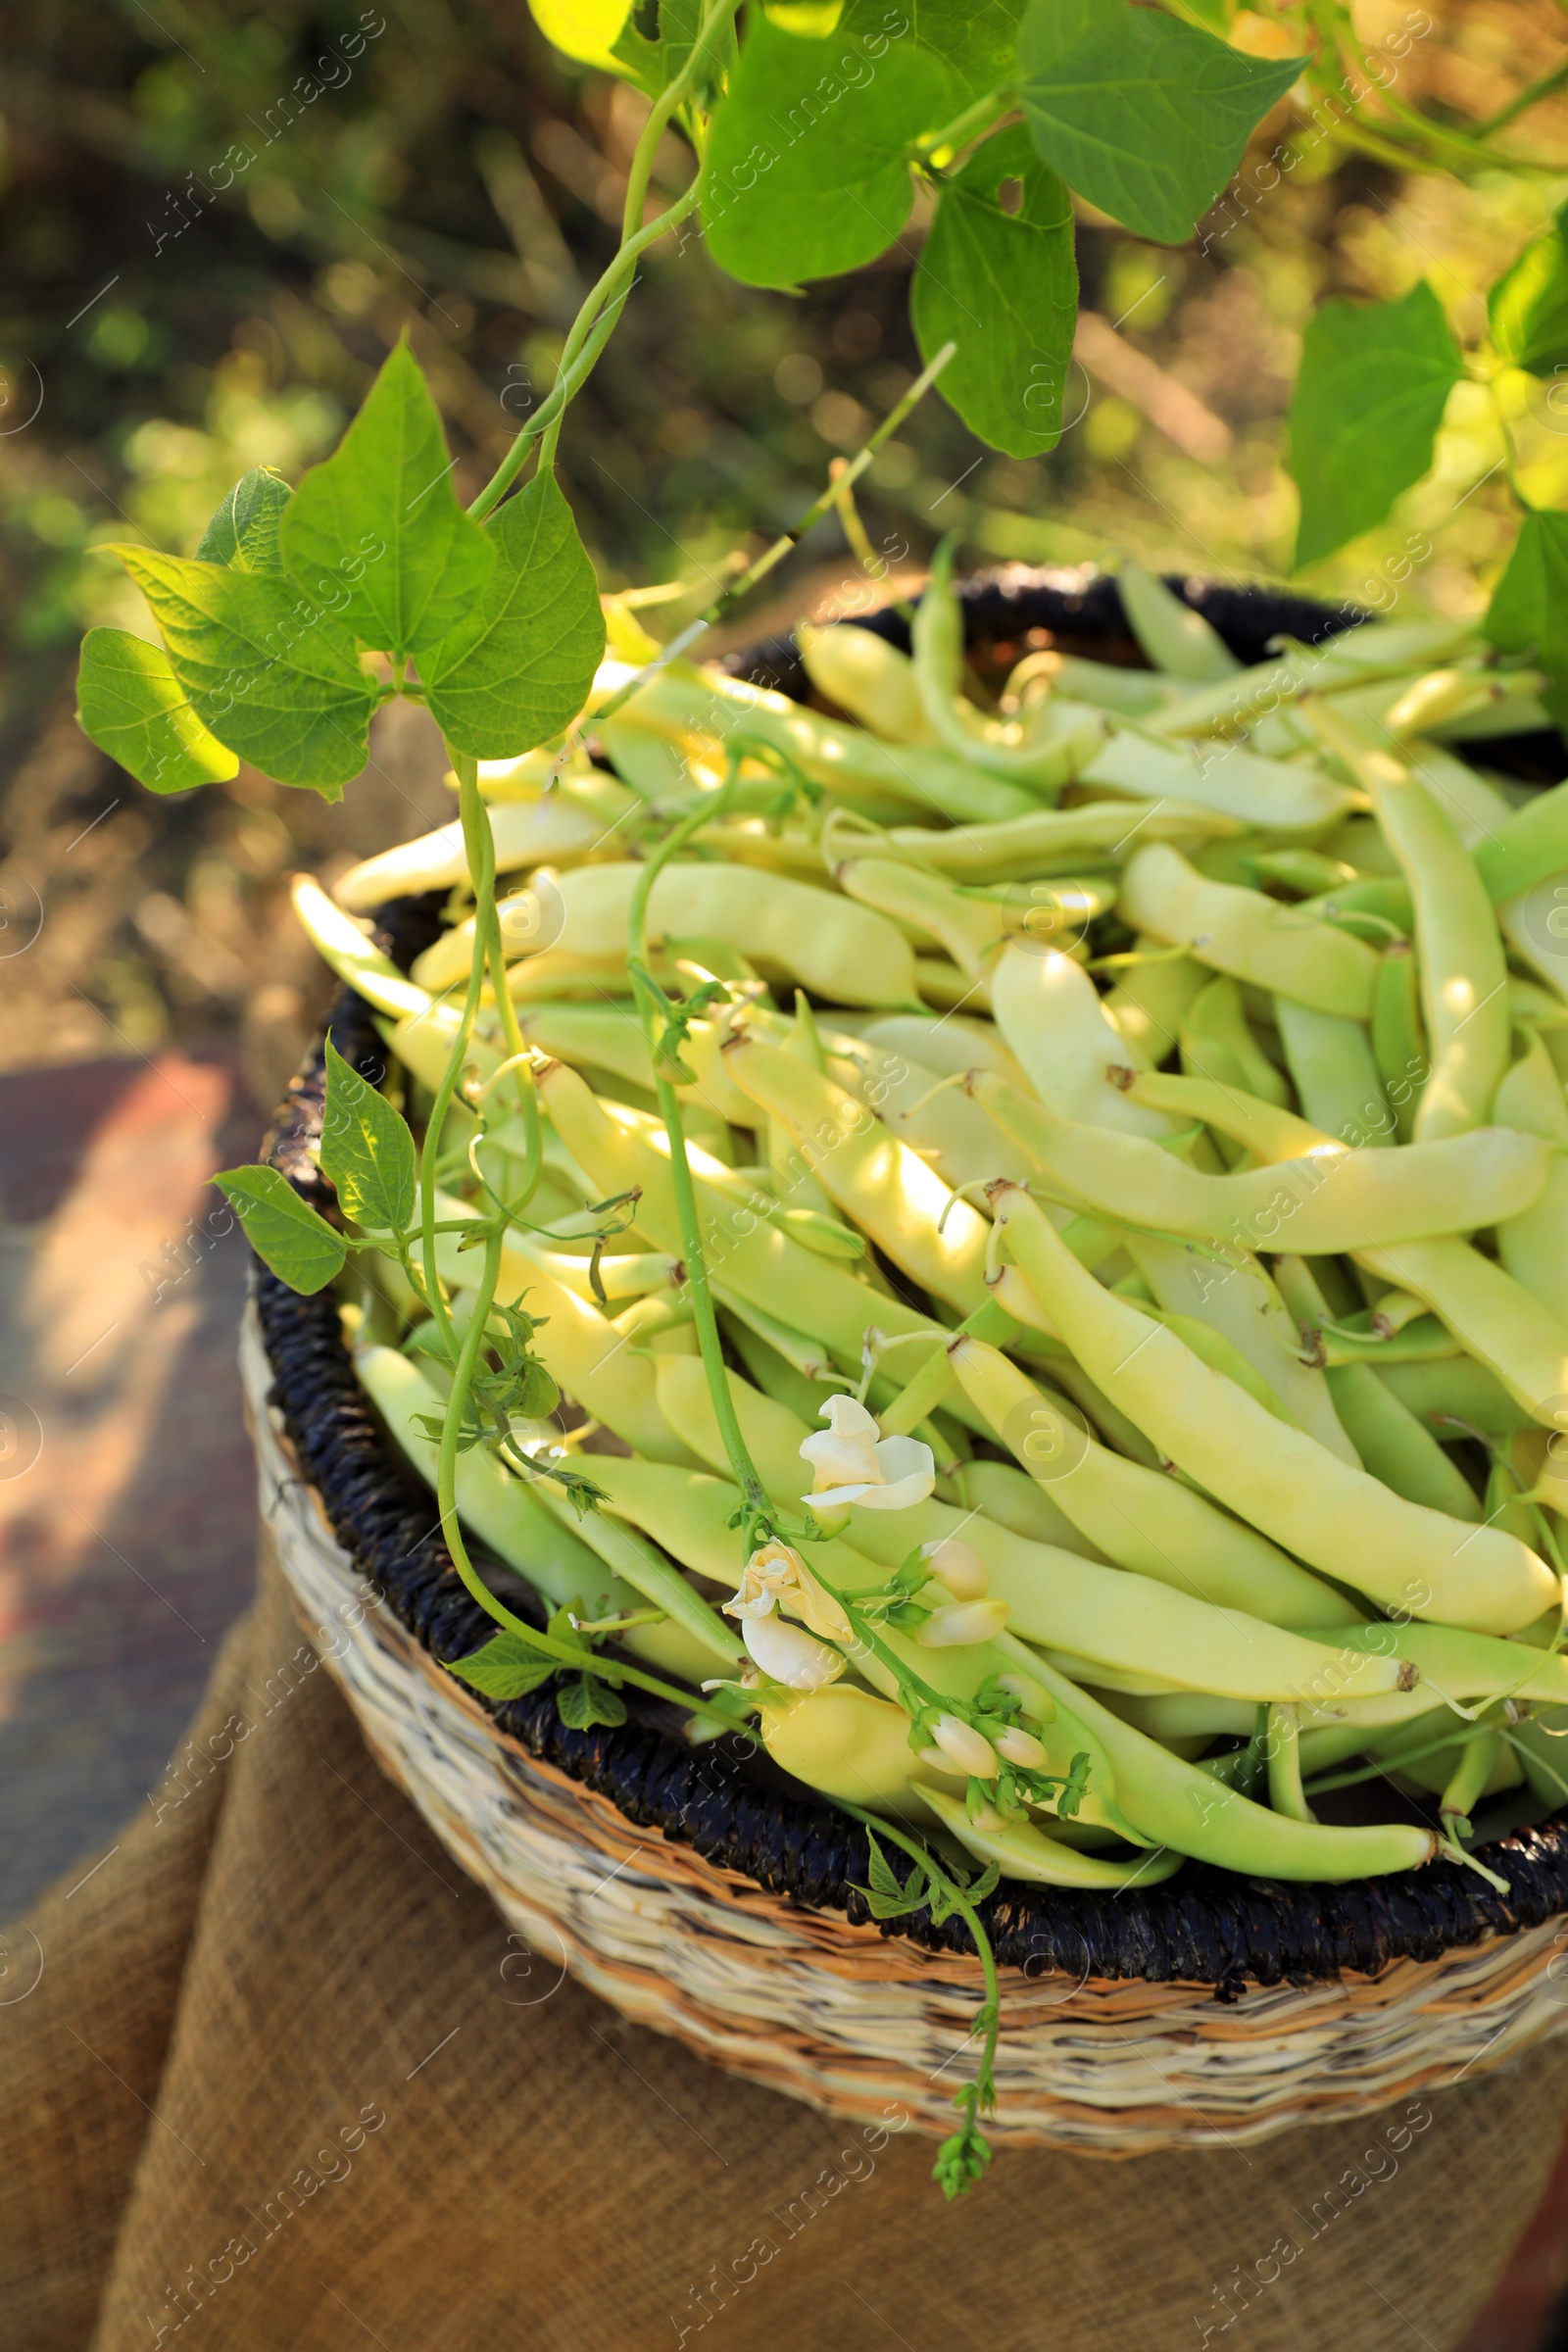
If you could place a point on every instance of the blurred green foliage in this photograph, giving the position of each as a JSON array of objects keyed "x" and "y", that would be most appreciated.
[{"x": 214, "y": 223}]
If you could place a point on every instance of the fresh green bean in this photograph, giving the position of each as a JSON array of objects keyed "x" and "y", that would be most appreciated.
[
  {"x": 1056, "y": 1026},
  {"x": 1243, "y": 933},
  {"x": 1173, "y": 635},
  {"x": 1322, "y": 1202},
  {"x": 1335, "y": 1073},
  {"x": 1187, "y": 1810},
  {"x": 1490, "y": 1315},
  {"x": 869, "y": 678},
  {"x": 1138, "y": 1517},
  {"x": 1279, "y": 1479},
  {"x": 1397, "y": 1446},
  {"x": 1464, "y": 994}
]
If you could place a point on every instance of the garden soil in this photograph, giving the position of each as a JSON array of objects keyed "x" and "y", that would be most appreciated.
[{"x": 276, "y": 2075}]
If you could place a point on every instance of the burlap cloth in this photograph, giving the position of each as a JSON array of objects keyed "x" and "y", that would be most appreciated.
[{"x": 275, "y": 2075}]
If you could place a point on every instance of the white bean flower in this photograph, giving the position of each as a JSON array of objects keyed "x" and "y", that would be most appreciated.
[
  {"x": 853, "y": 1462},
  {"x": 775, "y": 1578}
]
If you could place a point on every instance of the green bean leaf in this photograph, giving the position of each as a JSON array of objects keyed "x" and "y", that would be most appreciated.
[
  {"x": 1003, "y": 286},
  {"x": 507, "y": 1667},
  {"x": 285, "y": 1232},
  {"x": 244, "y": 533},
  {"x": 367, "y": 1149},
  {"x": 517, "y": 670},
  {"x": 975, "y": 39},
  {"x": 1529, "y": 608},
  {"x": 807, "y": 165},
  {"x": 131, "y": 706},
  {"x": 1527, "y": 307},
  {"x": 1142, "y": 114},
  {"x": 265, "y": 669},
  {"x": 376, "y": 534},
  {"x": 1374, "y": 381},
  {"x": 887, "y": 1897},
  {"x": 584, "y": 1700}
]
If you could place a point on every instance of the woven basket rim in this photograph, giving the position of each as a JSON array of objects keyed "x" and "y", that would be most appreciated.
[{"x": 1205, "y": 1926}]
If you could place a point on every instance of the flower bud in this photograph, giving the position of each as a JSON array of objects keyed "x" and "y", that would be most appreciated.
[
  {"x": 958, "y": 1566},
  {"x": 964, "y": 1748},
  {"x": 1021, "y": 1747},
  {"x": 966, "y": 1623},
  {"x": 788, "y": 1653}
]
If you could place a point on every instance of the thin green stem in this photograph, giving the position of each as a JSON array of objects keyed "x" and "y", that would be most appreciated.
[
  {"x": 597, "y": 319},
  {"x": 968, "y": 126},
  {"x": 1521, "y": 101},
  {"x": 590, "y": 331},
  {"x": 479, "y": 846},
  {"x": 671, "y": 103},
  {"x": 982, "y": 2093},
  {"x": 759, "y": 1510}
]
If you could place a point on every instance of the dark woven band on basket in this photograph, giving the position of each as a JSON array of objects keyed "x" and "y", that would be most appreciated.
[{"x": 1205, "y": 1926}]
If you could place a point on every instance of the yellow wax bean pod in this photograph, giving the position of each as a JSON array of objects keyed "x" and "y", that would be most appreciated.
[
  {"x": 948, "y": 1130},
  {"x": 969, "y": 929},
  {"x": 1059, "y": 1599},
  {"x": 1054, "y": 839},
  {"x": 867, "y": 678},
  {"x": 1217, "y": 1043},
  {"x": 1529, "y": 846},
  {"x": 745, "y": 1253},
  {"x": 1150, "y": 1002},
  {"x": 1323, "y": 1203},
  {"x": 644, "y": 1567},
  {"x": 1000, "y": 747},
  {"x": 1493, "y": 1317},
  {"x": 1138, "y": 1517},
  {"x": 1172, "y": 634},
  {"x": 1277, "y": 1478},
  {"x": 1180, "y": 1806},
  {"x": 1336, "y": 1077},
  {"x": 1240, "y": 1302},
  {"x": 1536, "y": 927},
  {"x": 579, "y": 1348},
  {"x": 1397, "y": 1446},
  {"x": 1230, "y": 778},
  {"x": 1464, "y": 977},
  {"x": 841, "y": 951},
  {"x": 949, "y": 1046},
  {"x": 549, "y": 831},
  {"x": 848, "y": 1743},
  {"x": 1024, "y": 1850},
  {"x": 1242, "y": 932},
  {"x": 888, "y": 1189},
  {"x": 1011, "y": 1497},
  {"x": 1054, "y": 1023},
  {"x": 773, "y": 1434},
  {"x": 1533, "y": 1245},
  {"x": 696, "y": 708},
  {"x": 514, "y": 1520},
  {"x": 1268, "y": 1132},
  {"x": 1458, "y": 1390},
  {"x": 1464, "y": 1665},
  {"x": 609, "y": 1037},
  {"x": 340, "y": 943}
]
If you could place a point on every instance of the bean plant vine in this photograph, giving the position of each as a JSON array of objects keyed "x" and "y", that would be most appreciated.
[{"x": 303, "y": 611}]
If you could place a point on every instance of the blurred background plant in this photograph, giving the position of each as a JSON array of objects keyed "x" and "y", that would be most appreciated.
[{"x": 213, "y": 226}]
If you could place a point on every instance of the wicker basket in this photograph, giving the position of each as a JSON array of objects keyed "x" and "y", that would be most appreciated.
[{"x": 718, "y": 1908}]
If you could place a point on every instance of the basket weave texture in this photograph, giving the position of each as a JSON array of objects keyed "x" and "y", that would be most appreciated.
[{"x": 728, "y": 1915}]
